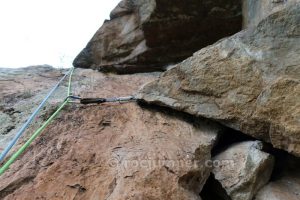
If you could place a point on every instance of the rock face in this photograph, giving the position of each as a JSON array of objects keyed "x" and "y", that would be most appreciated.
[
  {"x": 284, "y": 188},
  {"x": 250, "y": 169},
  {"x": 254, "y": 11},
  {"x": 111, "y": 151},
  {"x": 19, "y": 87},
  {"x": 250, "y": 82},
  {"x": 148, "y": 35}
]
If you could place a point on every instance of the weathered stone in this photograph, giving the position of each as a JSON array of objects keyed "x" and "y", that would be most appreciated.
[
  {"x": 287, "y": 187},
  {"x": 254, "y": 11},
  {"x": 147, "y": 35},
  {"x": 109, "y": 151},
  {"x": 242, "y": 169},
  {"x": 250, "y": 82},
  {"x": 19, "y": 87}
]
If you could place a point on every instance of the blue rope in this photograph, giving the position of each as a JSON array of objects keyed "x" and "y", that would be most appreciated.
[{"x": 21, "y": 131}]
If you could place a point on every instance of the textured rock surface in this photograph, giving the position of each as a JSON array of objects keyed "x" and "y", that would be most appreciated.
[
  {"x": 147, "y": 35},
  {"x": 250, "y": 82},
  {"x": 19, "y": 87},
  {"x": 254, "y": 11},
  {"x": 243, "y": 169},
  {"x": 111, "y": 151},
  {"x": 287, "y": 187}
]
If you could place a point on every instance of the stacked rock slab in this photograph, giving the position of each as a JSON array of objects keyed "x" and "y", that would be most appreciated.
[
  {"x": 249, "y": 82},
  {"x": 147, "y": 35}
]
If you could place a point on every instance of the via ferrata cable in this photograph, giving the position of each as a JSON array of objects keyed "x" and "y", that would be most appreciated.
[{"x": 39, "y": 130}]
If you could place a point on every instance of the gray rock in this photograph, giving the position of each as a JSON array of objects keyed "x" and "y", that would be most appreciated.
[
  {"x": 249, "y": 82},
  {"x": 287, "y": 187},
  {"x": 147, "y": 35},
  {"x": 243, "y": 169},
  {"x": 254, "y": 11},
  {"x": 22, "y": 90}
]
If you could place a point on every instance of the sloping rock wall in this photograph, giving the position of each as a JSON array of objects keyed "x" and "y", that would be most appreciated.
[
  {"x": 19, "y": 87},
  {"x": 111, "y": 151}
]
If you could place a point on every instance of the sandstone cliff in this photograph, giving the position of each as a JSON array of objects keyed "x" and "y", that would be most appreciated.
[{"x": 221, "y": 124}]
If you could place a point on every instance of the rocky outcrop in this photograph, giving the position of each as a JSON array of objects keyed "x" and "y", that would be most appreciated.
[
  {"x": 109, "y": 151},
  {"x": 250, "y": 82},
  {"x": 254, "y": 11},
  {"x": 148, "y": 35},
  {"x": 250, "y": 169}
]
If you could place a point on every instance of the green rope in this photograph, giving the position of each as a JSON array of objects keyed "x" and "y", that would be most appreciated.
[
  {"x": 37, "y": 132},
  {"x": 69, "y": 84}
]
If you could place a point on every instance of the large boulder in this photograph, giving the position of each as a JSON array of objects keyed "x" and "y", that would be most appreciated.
[
  {"x": 108, "y": 151},
  {"x": 147, "y": 35},
  {"x": 250, "y": 81},
  {"x": 249, "y": 171}
]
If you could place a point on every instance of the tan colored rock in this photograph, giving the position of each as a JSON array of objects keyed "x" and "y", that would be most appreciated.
[
  {"x": 147, "y": 35},
  {"x": 249, "y": 82},
  {"x": 112, "y": 151},
  {"x": 243, "y": 169}
]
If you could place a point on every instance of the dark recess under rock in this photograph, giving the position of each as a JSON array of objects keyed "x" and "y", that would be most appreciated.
[{"x": 284, "y": 163}]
